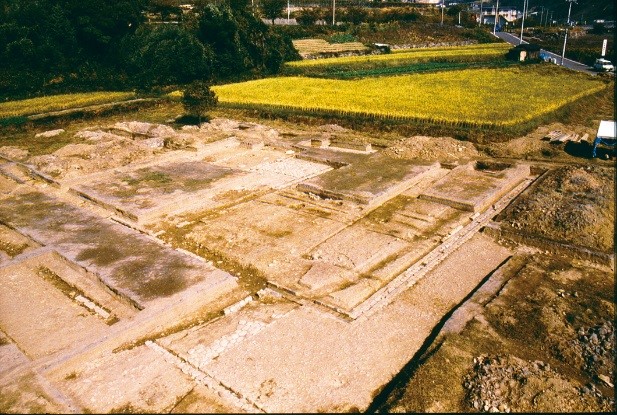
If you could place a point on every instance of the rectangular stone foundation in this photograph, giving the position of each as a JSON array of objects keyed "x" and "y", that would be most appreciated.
[{"x": 474, "y": 189}]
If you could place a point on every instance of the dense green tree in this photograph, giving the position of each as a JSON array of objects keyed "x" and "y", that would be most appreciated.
[
  {"x": 273, "y": 8},
  {"x": 239, "y": 5},
  {"x": 454, "y": 10},
  {"x": 307, "y": 16},
  {"x": 166, "y": 55},
  {"x": 101, "y": 25},
  {"x": 598, "y": 29},
  {"x": 267, "y": 50},
  {"x": 63, "y": 45},
  {"x": 52, "y": 42},
  {"x": 219, "y": 29},
  {"x": 241, "y": 42},
  {"x": 198, "y": 98},
  {"x": 355, "y": 15}
]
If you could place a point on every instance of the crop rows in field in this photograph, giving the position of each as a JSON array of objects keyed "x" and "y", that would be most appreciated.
[
  {"x": 407, "y": 56},
  {"x": 316, "y": 46},
  {"x": 486, "y": 98},
  {"x": 419, "y": 67},
  {"x": 59, "y": 102}
]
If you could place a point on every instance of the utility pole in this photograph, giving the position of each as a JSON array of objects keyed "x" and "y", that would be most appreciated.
[
  {"x": 333, "y": 12},
  {"x": 496, "y": 17},
  {"x": 481, "y": 4},
  {"x": 523, "y": 20},
  {"x": 565, "y": 39},
  {"x": 442, "y": 6}
]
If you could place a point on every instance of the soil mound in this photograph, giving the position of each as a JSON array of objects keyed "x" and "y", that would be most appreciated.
[
  {"x": 432, "y": 149},
  {"x": 572, "y": 205}
]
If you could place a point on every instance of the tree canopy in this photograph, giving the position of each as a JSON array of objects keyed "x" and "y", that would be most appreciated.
[
  {"x": 63, "y": 45},
  {"x": 273, "y": 8}
]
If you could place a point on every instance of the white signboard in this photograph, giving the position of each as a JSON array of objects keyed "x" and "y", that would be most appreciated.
[
  {"x": 606, "y": 129},
  {"x": 604, "y": 47}
]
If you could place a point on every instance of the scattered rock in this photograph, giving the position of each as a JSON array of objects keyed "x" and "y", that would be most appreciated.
[
  {"x": 154, "y": 142},
  {"x": 144, "y": 129},
  {"x": 606, "y": 380},
  {"x": 502, "y": 383},
  {"x": 179, "y": 141},
  {"x": 96, "y": 135},
  {"x": 331, "y": 128},
  {"x": 14, "y": 153},
  {"x": 220, "y": 124},
  {"x": 596, "y": 346},
  {"x": 50, "y": 133},
  {"x": 190, "y": 128}
]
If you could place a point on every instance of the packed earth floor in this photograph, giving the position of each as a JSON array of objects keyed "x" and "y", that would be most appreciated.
[{"x": 236, "y": 267}]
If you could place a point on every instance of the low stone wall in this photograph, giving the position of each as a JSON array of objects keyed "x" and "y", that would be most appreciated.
[{"x": 555, "y": 247}]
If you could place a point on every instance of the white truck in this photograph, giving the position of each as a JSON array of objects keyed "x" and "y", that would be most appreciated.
[{"x": 603, "y": 65}]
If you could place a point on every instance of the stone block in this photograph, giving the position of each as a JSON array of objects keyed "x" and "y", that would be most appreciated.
[
  {"x": 353, "y": 295},
  {"x": 322, "y": 275}
]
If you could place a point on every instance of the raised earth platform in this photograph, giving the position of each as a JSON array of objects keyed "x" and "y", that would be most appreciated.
[{"x": 235, "y": 269}]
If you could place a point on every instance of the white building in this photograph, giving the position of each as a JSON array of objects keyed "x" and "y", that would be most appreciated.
[{"x": 506, "y": 15}]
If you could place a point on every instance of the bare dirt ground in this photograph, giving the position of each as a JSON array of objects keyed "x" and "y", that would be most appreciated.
[
  {"x": 572, "y": 205},
  {"x": 239, "y": 266},
  {"x": 545, "y": 344}
]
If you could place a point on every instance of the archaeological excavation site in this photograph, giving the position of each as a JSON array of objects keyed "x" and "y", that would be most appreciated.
[{"x": 242, "y": 267}]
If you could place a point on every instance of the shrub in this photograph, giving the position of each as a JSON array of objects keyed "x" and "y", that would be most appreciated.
[
  {"x": 342, "y": 38},
  {"x": 307, "y": 17},
  {"x": 198, "y": 98},
  {"x": 355, "y": 15}
]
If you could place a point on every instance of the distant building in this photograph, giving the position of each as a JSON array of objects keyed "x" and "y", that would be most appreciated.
[
  {"x": 506, "y": 15},
  {"x": 186, "y": 8},
  {"x": 524, "y": 52}
]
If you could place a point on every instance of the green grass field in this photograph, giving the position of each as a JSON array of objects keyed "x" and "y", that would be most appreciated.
[
  {"x": 401, "y": 61},
  {"x": 406, "y": 56},
  {"x": 471, "y": 97}
]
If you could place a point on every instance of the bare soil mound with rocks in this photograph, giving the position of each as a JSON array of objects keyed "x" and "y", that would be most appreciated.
[
  {"x": 571, "y": 204},
  {"x": 500, "y": 383},
  {"x": 546, "y": 343},
  {"x": 432, "y": 149},
  {"x": 535, "y": 145}
]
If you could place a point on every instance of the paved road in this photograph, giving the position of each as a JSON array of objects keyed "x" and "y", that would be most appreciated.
[{"x": 577, "y": 66}]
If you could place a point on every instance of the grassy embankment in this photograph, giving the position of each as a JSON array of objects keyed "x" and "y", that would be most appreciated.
[
  {"x": 41, "y": 105},
  {"x": 17, "y": 130}
]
